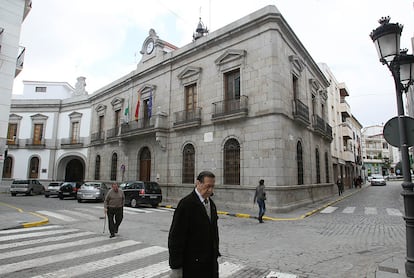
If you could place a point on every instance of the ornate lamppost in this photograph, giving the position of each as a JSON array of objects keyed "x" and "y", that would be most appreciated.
[{"x": 387, "y": 41}]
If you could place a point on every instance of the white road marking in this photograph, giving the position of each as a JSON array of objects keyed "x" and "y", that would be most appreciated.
[
  {"x": 371, "y": 210},
  {"x": 329, "y": 209},
  {"x": 226, "y": 269},
  {"x": 148, "y": 271},
  {"x": 394, "y": 212},
  {"x": 83, "y": 269},
  {"x": 43, "y": 240},
  {"x": 51, "y": 247},
  {"x": 35, "y": 234},
  {"x": 349, "y": 210},
  {"x": 13, "y": 231},
  {"x": 22, "y": 265},
  {"x": 81, "y": 214},
  {"x": 57, "y": 215},
  {"x": 274, "y": 274}
]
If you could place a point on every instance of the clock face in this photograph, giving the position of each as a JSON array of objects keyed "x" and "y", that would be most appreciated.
[{"x": 150, "y": 47}]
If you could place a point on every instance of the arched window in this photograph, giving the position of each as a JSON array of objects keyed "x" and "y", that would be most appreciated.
[
  {"x": 34, "y": 168},
  {"x": 8, "y": 167},
  {"x": 326, "y": 167},
  {"x": 98, "y": 167},
  {"x": 318, "y": 166},
  {"x": 299, "y": 161},
  {"x": 114, "y": 166},
  {"x": 188, "y": 164},
  {"x": 231, "y": 167}
]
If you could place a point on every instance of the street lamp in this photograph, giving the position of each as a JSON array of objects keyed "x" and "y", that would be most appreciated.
[{"x": 387, "y": 41}]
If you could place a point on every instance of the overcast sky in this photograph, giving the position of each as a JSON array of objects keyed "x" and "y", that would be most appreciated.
[{"x": 101, "y": 39}]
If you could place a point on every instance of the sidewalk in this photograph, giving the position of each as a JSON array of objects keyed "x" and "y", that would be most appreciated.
[{"x": 12, "y": 217}]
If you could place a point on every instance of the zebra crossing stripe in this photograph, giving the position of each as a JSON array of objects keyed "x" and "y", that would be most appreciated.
[
  {"x": 43, "y": 240},
  {"x": 393, "y": 212},
  {"x": 226, "y": 269},
  {"x": 22, "y": 265},
  {"x": 274, "y": 274},
  {"x": 35, "y": 234},
  {"x": 329, "y": 209},
  {"x": 148, "y": 271},
  {"x": 84, "y": 215},
  {"x": 135, "y": 210},
  {"x": 50, "y": 247},
  {"x": 12, "y": 231},
  {"x": 83, "y": 269},
  {"x": 57, "y": 215},
  {"x": 370, "y": 210},
  {"x": 349, "y": 210}
]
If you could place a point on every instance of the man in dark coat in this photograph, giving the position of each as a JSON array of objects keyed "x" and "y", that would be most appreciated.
[{"x": 193, "y": 240}]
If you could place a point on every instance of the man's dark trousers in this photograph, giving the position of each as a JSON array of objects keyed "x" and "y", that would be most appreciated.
[{"x": 118, "y": 214}]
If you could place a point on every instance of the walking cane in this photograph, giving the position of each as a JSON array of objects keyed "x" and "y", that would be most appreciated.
[{"x": 104, "y": 226}]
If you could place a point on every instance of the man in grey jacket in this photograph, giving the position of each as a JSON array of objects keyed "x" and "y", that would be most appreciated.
[{"x": 114, "y": 208}]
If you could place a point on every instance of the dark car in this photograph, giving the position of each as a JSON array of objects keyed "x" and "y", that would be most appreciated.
[
  {"x": 69, "y": 189},
  {"x": 53, "y": 189},
  {"x": 28, "y": 187},
  {"x": 139, "y": 192},
  {"x": 92, "y": 191}
]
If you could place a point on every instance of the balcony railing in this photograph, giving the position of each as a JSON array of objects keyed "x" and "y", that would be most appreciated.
[
  {"x": 319, "y": 124},
  {"x": 112, "y": 133},
  {"x": 97, "y": 136},
  {"x": 141, "y": 124},
  {"x": 184, "y": 119},
  {"x": 33, "y": 142},
  {"x": 12, "y": 141},
  {"x": 236, "y": 108},
  {"x": 20, "y": 61},
  {"x": 328, "y": 132},
  {"x": 301, "y": 112},
  {"x": 72, "y": 142}
]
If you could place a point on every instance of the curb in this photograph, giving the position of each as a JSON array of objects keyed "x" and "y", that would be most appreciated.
[
  {"x": 44, "y": 220},
  {"x": 303, "y": 216}
]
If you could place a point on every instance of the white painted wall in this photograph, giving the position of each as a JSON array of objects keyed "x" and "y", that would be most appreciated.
[
  {"x": 22, "y": 157},
  {"x": 54, "y": 90}
]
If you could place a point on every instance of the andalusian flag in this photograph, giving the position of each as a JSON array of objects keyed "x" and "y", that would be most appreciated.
[
  {"x": 150, "y": 105},
  {"x": 126, "y": 113},
  {"x": 137, "y": 108}
]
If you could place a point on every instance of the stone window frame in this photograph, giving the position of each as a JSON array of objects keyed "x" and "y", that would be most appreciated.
[
  {"x": 299, "y": 162},
  {"x": 225, "y": 179},
  {"x": 231, "y": 60},
  {"x": 15, "y": 119},
  {"x": 73, "y": 118},
  {"x": 117, "y": 105},
  {"x": 100, "y": 112},
  {"x": 327, "y": 167},
  {"x": 296, "y": 68},
  {"x": 39, "y": 119},
  {"x": 184, "y": 149},
  {"x": 190, "y": 76},
  {"x": 97, "y": 173},
  {"x": 114, "y": 166},
  {"x": 318, "y": 165}
]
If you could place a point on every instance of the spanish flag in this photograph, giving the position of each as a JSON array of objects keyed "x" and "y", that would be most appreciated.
[{"x": 137, "y": 108}]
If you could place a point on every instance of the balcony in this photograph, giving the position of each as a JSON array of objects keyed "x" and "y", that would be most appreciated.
[
  {"x": 98, "y": 137},
  {"x": 33, "y": 143},
  {"x": 69, "y": 143},
  {"x": 301, "y": 112},
  {"x": 230, "y": 109},
  {"x": 318, "y": 125},
  {"x": 20, "y": 61},
  {"x": 112, "y": 133},
  {"x": 187, "y": 119},
  {"x": 347, "y": 131},
  {"x": 345, "y": 108},
  {"x": 328, "y": 132}
]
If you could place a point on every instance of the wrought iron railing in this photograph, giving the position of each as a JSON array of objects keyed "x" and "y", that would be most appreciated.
[
  {"x": 186, "y": 116},
  {"x": 228, "y": 107},
  {"x": 301, "y": 111}
]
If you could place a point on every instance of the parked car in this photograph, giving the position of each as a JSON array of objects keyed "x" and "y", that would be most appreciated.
[
  {"x": 28, "y": 187},
  {"x": 139, "y": 192},
  {"x": 92, "y": 191},
  {"x": 378, "y": 180},
  {"x": 53, "y": 189},
  {"x": 69, "y": 189}
]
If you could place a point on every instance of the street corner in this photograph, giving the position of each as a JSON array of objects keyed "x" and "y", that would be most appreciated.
[{"x": 12, "y": 217}]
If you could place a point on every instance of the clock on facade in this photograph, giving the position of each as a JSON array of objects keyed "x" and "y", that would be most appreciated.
[{"x": 150, "y": 47}]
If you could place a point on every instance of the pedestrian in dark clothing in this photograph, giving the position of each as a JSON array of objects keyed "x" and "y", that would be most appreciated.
[
  {"x": 359, "y": 181},
  {"x": 340, "y": 185},
  {"x": 260, "y": 197},
  {"x": 114, "y": 205},
  {"x": 193, "y": 240}
]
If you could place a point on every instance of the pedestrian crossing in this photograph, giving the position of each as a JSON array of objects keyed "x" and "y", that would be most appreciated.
[
  {"x": 92, "y": 213},
  {"x": 362, "y": 210},
  {"x": 51, "y": 251}
]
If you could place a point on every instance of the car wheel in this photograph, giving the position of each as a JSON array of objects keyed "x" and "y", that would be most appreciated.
[
  {"x": 79, "y": 200},
  {"x": 42, "y": 191},
  {"x": 61, "y": 197},
  {"x": 154, "y": 205},
  {"x": 47, "y": 196},
  {"x": 134, "y": 203},
  {"x": 30, "y": 192},
  {"x": 14, "y": 194}
]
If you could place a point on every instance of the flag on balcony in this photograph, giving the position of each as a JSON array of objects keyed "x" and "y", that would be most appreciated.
[
  {"x": 126, "y": 113},
  {"x": 137, "y": 108},
  {"x": 150, "y": 105}
]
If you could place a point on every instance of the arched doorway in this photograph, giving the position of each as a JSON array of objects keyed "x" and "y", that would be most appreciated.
[
  {"x": 8, "y": 167},
  {"x": 145, "y": 165},
  {"x": 74, "y": 170},
  {"x": 34, "y": 168}
]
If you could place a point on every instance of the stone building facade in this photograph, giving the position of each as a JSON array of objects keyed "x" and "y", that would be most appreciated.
[{"x": 247, "y": 102}]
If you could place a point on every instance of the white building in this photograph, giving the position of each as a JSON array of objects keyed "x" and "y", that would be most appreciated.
[
  {"x": 12, "y": 15},
  {"x": 48, "y": 132}
]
